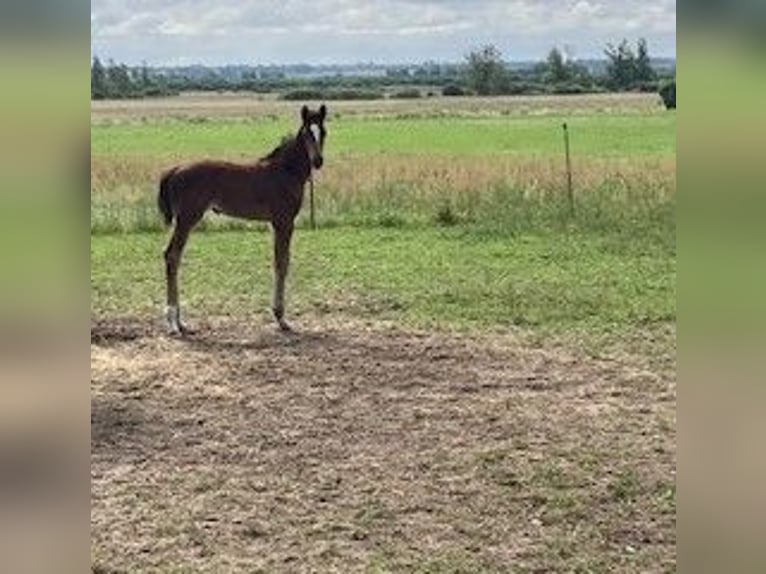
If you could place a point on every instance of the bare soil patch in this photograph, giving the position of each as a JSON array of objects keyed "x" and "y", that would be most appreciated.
[{"x": 361, "y": 447}]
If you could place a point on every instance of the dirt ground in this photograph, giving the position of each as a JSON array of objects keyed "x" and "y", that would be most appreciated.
[{"x": 354, "y": 447}]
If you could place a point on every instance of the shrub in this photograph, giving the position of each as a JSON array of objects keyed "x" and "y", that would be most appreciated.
[
  {"x": 453, "y": 90},
  {"x": 668, "y": 95},
  {"x": 524, "y": 88},
  {"x": 303, "y": 95},
  {"x": 445, "y": 216},
  {"x": 347, "y": 94},
  {"x": 409, "y": 94},
  {"x": 354, "y": 95},
  {"x": 568, "y": 88},
  {"x": 647, "y": 86}
]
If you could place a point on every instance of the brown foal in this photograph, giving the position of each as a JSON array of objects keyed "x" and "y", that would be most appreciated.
[{"x": 269, "y": 190}]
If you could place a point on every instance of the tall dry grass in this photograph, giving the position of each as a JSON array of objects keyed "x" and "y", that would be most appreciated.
[
  {"x": 231, "y": 105},
  {"x": 499, "y": 191}
]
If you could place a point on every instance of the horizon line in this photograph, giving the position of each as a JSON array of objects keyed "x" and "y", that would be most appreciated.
[{"x": 368, "y": 63}]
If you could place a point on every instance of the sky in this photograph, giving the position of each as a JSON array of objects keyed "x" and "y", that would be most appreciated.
[{"x": 217, "y": 32}]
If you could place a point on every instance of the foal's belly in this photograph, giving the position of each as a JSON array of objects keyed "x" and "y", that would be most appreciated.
[{"x": 243, "y": 210}]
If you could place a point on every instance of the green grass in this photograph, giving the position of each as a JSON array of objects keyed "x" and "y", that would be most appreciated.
[
  {"x": 380, "y": 175},
  {"x": 407, "y": 232},
  {"x": 591, "y": 135},
  {"x": 553, "y": 282}
]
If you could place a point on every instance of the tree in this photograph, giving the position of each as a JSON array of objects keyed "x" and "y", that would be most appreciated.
[
  {"x": 146, "y": 78},
  {"x": 644, "y": 70},
  {"x": 486, "y": 71},
  {"x": 98, "y": 87},
  {"x": 120, "y": 84},
  {"x": 579, "y": 73},
  {"x": 556, "y": 70},
  {"x": 621, "y": 68}
]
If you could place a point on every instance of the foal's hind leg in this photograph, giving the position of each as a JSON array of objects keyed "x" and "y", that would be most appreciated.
[
  {"x": 282, "y": 235},
  {"x": 173, "y": 254}
]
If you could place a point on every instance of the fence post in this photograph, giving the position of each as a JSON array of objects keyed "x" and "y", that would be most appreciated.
[
  {"x": 570, "y": 193},
  {"x": 311, "y": 200}
]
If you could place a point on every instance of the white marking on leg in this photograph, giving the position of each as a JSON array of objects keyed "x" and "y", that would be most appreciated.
[{"x": 173, "y": 317}]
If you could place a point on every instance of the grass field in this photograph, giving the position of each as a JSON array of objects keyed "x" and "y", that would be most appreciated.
[
  {"x": 594, "y": 135},
  {"x": 410, "y": 166},
  {"x": 480, "y": 381},
  {"x": 421, "y": 277}
]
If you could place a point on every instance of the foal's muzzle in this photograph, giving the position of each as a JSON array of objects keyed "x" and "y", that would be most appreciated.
[{"x": 318, "y": 161}]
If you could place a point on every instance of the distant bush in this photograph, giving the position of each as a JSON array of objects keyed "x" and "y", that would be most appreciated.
[
  {"x": 409, "y": 94},
  {"x": 453, "y": 90},
  {"x": 306, "y": 94},
  {"x": 525, "y": 88},
  {"x": 648, "y": 86},
  {"x": 569, "y": 88},
  {"x": 313, "y": 94},
  {"x": 354, "y": 95},
  {"x": 159, "y": 91},
  {"x": 668, "y": 94}
]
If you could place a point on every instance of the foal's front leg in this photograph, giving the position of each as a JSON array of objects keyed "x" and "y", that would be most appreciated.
[
  {"x": 184, "y": 224},
  {"x": 173, "y": 254},
  {"x": 282, "y": 235}
]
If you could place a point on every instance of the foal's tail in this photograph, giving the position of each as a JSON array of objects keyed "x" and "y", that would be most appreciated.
[{"x": 164, "y": 199}]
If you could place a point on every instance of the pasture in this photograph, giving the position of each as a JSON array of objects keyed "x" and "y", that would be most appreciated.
[{"x": 480, "y": 380}]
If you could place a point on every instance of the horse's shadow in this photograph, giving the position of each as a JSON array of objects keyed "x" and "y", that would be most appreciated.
[
  {"x": 208, "y": 337},
  {"x": 120, "y": 426},
  {"x": 265, "y": 339},
  {"x": 130, "y": 427}
]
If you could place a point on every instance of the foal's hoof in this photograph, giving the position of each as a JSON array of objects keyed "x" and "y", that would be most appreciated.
[
  {"x": 173, "y": 322},
  {"x": 175, "y": 332},
  {"x": 279, "y": 316},
  {"x": 179, "y": 331}
]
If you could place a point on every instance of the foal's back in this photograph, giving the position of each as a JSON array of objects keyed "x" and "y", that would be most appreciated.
[{"x": 249, "y": 191}]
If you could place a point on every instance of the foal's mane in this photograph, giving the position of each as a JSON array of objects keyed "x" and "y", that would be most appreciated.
[{"x": 287, "y": 142}]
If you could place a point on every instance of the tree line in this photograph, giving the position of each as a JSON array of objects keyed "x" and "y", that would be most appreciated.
[
  {"x": 118, "y": 81},
  {"x": 626, "y": 70},
  {"x": 484, "y": 72}
]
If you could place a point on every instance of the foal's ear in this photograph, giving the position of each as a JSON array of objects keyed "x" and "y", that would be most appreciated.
[
  {"x": 322, "y": 112},
  {"x": 305, "y": 114}
]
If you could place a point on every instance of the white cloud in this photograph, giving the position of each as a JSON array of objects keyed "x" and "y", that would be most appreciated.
[
  {"x": 353, "y": 30},
  {"x": 583, "y": 8}
]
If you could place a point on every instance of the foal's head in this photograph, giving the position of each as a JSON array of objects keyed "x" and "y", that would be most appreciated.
[{"x": 312, "y": 134}]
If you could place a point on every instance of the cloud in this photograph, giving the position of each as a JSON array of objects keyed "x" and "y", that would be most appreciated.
[{"x": 353, "y": 30}]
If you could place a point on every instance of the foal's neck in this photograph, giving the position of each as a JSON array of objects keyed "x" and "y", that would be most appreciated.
[{"x": 295, "y": 161}]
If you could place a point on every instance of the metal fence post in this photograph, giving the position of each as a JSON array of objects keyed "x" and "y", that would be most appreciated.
[{"x": 570, "y": 193}]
